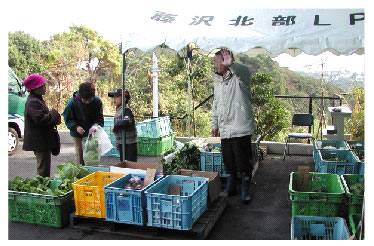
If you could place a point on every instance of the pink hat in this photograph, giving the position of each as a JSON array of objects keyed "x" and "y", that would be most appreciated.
[{"x": 33, "y": 81}]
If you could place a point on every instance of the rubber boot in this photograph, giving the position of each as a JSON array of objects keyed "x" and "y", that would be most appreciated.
[
  {"x": 231, "y": 185},
  {"x": 246, "y": 181}
]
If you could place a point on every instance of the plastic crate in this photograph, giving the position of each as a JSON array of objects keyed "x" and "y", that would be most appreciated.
[
  {"x": 358, "y": 146},
  {"x": 354, "y": 220},
  {"x": 40, "y": 209},
  {"x": 154, "y": 128},
  {"x": 328, "y": 145},
  {"x": 213, "y": 161},
  {"x": 313, "y": 202},
  {"x": 350, "y": 164},
  {"x": 319, "y": 228},
  {"x": 174, "y": 211},
  {"x": 126, "y": 205},
  {"x": 89, "y": 193},
  {"x": 354, "y": 202},
  {"x": 108, "y": 126},
  {"x": 92, "y": 169},
  {"x": 155, "y": 146}
]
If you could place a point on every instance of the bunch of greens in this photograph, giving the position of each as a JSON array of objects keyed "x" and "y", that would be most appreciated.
[
  {"x": 188, "y": 157},
  {"x": 39, "y": 185},
  {"x": 91, "y": 154},
  {"x": 357, "y": 188},
  {"x": 67, "y": 174}
]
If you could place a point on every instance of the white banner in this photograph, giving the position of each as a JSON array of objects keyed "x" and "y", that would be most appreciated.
[{"x": 276, "y": 30}]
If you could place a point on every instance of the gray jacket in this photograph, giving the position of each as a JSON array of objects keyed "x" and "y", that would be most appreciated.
[{"x": 232, "y": 107}]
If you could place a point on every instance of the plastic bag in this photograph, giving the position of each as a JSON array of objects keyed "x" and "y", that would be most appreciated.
[
  {"x": 104, "y": 140},
  {"x": 91, "y": 152}
]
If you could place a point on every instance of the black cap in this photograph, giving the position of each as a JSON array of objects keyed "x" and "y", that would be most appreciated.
[{"x": 118, "y": 93}]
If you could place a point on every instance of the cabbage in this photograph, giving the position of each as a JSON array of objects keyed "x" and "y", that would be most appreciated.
[
  {"x": 91, "y": 157},
  {"x": 70, "y": 170},
  {"x": 92, "y": 144}
]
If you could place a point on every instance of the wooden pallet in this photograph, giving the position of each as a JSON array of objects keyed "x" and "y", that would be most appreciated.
[{"x": 200, "y": 230}]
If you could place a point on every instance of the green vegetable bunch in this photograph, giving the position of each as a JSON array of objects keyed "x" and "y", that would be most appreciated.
[
  {"x": 187, "y": 158},
  {"x": 357, "y": 188},
  {"x": 91, "y": 154}
]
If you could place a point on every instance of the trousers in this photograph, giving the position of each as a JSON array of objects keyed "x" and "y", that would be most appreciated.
[
  {"x": 237, "y": 155},
  {"x": 43, "y": 163}
]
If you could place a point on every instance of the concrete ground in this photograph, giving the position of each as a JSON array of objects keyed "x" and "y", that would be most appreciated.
[{"x": 267, "y": 216}]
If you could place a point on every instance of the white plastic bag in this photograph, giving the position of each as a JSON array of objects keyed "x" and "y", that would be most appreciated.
[{"x": 104, "y": 140}]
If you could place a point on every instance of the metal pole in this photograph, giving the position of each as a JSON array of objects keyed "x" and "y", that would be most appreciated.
[
  {"x": 123, "y": 101},
  {"x": 155, "y": 85}
]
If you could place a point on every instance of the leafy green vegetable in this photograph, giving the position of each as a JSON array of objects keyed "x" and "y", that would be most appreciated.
[
  {"x": 357, "y": 188},
  {"x": 92, "y": 144},
  {"x": 187, "y": 158}
]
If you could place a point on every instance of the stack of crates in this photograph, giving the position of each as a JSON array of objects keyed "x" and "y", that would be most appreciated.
[
  {"x": 334, "y": 157},
  {"x": 155, "y": 136},
  {"x": 319, "y": 228},
  {"x": 177, "y": 211},
  {"x": 358, "y": 149},
  {"x": 354, "y": 201},
  {"x": 89, "y": 193},
  {"x": 213, "y": 162},
  {"x": 324, "y": 195},
  {"x": 126, "y": 205},
  {"x": 108, "y": 127},
  {"x": 41, "y": 209}
]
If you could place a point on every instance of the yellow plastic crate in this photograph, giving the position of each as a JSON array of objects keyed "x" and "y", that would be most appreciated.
[{"x": 89, "y": 193}]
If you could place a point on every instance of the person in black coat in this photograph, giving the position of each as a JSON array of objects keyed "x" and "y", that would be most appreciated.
[{"x": 39, "y": 124}]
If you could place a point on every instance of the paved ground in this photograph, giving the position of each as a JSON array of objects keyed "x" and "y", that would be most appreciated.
[{"x": 266, "y": 217}]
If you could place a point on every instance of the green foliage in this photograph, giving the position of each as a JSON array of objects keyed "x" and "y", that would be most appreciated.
[
  {"x": 25, "y": 54},
  {"x": 356, "y": 123},
  {"x": 270, "y": 115}
]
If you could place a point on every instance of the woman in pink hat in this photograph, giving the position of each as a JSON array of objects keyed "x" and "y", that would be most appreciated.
[{"x": 39, "y": 124}]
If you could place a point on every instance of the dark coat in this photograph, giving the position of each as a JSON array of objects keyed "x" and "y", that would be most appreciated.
[
  {"x": 39, "y": 123},
  {"x": 77, "y": 113}
]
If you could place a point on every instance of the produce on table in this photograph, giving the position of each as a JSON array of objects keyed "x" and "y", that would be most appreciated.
[
  {"x": 67, "y": 174},
  {"x": 357, "y": 188},
  {"x": 329, "y": 157},
  {"x": 135, "y": 183},
  {"x": 188, "y": 157}
]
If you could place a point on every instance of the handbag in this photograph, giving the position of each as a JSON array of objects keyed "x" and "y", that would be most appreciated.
[{"x": 56, "y": 139}]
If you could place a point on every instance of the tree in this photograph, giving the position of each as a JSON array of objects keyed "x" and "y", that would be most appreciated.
[
  {"x": 356, "y": 123},
  {"x": 25, "y": 54},
  {"x": 270, "y": 115}
]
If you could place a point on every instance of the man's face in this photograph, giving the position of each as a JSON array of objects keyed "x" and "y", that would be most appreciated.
[
  {"x": 219, "y": 64},
  {"x": 87, "y": 101}
]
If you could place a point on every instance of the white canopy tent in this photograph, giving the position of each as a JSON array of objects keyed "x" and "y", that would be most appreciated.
[
  {"x": 274, "y": 31},
  {"x": 245, "y": 30}
]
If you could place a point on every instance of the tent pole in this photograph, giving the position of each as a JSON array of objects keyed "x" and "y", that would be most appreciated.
[{"x": 123, "y": 100}]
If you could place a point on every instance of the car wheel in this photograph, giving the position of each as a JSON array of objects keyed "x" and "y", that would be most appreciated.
[{"x": 12, "y": 141}]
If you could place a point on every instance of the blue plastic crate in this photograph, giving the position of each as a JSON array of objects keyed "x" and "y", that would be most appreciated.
[
  {"x": 350, "y": 164},
  {"x": 212, "y": 162},
  {"x": 108, "y": 126},
  {"x": 154, "y": 128},
  {"x": 319, "y": 228},
  {"x": 358, "y": 145},
  {"x": 327, "y": 145},
  {"x": 92, "y": 169},
  {"x": 126, "y": 205},
  {"x": 178, "y": 212}
]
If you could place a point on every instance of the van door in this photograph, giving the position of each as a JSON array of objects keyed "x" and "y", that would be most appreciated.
[{"x": 17, "y": 95}]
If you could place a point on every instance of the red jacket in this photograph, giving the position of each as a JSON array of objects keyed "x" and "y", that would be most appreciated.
[{"x": 39, "y": 123}]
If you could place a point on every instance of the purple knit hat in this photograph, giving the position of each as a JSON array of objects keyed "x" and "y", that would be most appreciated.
[{"x": 33, "y": 81}]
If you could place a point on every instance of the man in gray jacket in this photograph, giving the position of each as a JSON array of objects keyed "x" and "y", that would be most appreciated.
[{"x": 233, "y": 120}]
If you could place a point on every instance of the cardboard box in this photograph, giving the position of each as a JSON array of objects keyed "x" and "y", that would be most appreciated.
[
  {"x": 129, "y": 167},
  {"x": 302, "y": 178},
  {"x": 214, "y": 184}
]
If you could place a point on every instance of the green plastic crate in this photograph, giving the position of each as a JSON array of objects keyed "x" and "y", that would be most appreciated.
[
  {"x": 155, "y": 146},
  {"x": 354, "y": 220},
  {"x": 317, "y": 203},
  {"x": 40, "y": 209},
  {"x": 354, "y": 202}
]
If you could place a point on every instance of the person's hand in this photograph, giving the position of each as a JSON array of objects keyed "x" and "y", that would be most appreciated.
[
  {"x": 80, "y": 130},
  {"x": 215, "y": 133},
  {"x": 92, "y": 130},
  {"x": 227, "y": 57}
]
